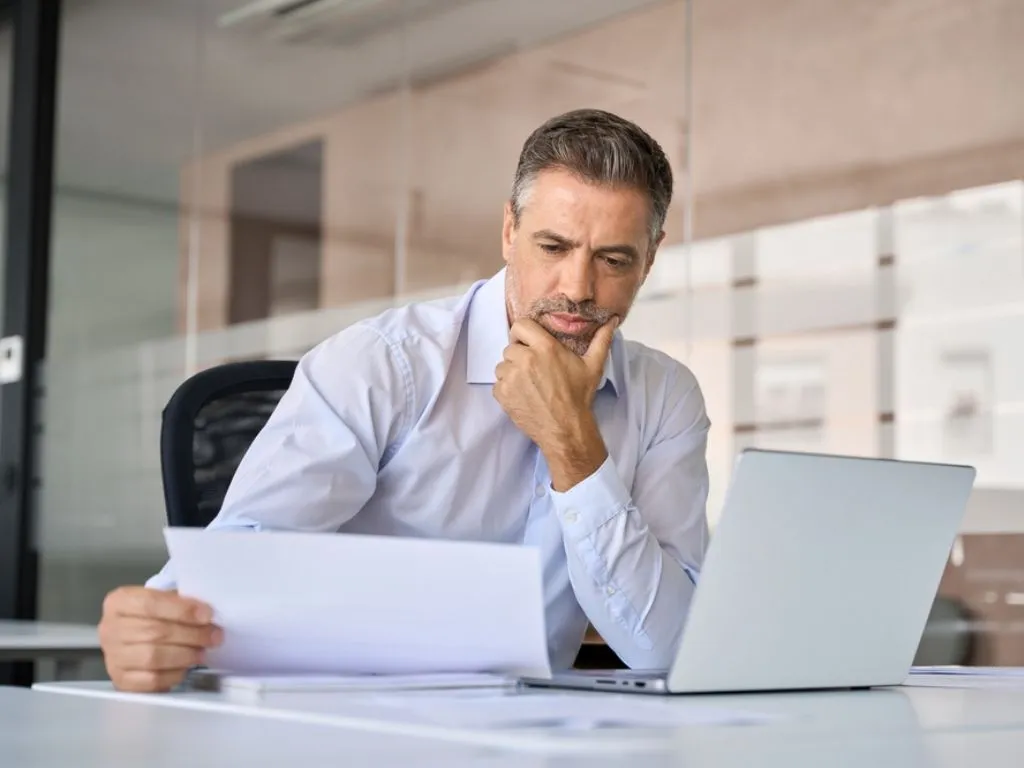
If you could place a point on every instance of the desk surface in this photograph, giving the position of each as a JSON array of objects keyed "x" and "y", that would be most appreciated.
[
  {"x": 919, "y": 727},
  {"x": 43, "y": 636}
]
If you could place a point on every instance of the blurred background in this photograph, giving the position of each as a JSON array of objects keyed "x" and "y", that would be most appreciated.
[{"x": 843, "y": 268}]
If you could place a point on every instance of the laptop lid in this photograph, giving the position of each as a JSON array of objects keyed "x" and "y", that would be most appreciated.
[{"x": 821, "y": 572}]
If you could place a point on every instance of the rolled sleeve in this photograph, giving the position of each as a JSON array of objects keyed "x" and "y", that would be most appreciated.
[
  {"x": 591, "y": 503},
  {"x": 634, "y": 553}
]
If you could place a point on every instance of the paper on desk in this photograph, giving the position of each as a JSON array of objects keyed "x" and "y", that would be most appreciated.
[
  {"x": 965, "y": 677},
  {"x": 301, "y": 603},
  {"x": 570, "y": 710},
  {"x": 251, "y": 688},
  {"x": 969, "y": 671}
]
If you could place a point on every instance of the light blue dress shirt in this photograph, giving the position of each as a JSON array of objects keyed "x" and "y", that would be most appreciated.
[{"x": 390, "y": 427}]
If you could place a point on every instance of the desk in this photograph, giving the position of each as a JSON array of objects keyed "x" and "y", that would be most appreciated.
[
  {"x": 42, "y": 730},
  {"x": 67, "y": 644},
  {"x": 897, "y": 728}
]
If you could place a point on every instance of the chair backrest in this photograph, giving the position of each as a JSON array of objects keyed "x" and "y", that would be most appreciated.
[{"x": 208, "y": 425}]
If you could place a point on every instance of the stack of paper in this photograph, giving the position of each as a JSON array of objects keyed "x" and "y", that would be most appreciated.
[
  {"x": 969, "y": 671},
  {"x": 253, "y": 689},
  {"x": 966, "y": 677},
  {"x": 300, "y": 604}
]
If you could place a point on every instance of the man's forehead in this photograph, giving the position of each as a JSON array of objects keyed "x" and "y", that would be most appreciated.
[{"x": 582, "y": 219}]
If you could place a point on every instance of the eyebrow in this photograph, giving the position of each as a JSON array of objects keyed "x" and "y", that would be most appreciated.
[{"x": 623, "y": 249}]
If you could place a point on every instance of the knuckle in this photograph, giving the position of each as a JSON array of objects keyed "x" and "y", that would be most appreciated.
[
  {"x": 121, "y": 681},
  {"x": 112, "y": 601},
  {"x": 154, "y": 632},
  {"x": 149, "y": 657},
  {"x": 147, "y": 680}
]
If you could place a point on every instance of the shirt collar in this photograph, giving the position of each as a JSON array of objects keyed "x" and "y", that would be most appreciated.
[{"x": 487, "y": 335}]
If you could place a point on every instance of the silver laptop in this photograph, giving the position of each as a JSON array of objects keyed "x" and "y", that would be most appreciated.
[{"x": 820, "y": 574}]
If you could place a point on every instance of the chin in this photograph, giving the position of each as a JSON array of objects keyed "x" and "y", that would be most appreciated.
[{"x": 575, "y": 344}]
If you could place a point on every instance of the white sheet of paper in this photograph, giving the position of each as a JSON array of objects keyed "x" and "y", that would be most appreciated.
[
  {"x": 966, "y": 677},
  {"x": 494, "y": 709},
  {"x": 251, "y": 688},
  {"x": 302, "y": 603},
  {"x": 969, "y": 671}
]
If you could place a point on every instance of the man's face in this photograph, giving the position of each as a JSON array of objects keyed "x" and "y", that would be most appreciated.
[{"x": 578, "y": 256}]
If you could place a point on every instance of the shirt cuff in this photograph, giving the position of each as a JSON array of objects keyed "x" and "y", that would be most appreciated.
[{"x": 592, "y": 502}]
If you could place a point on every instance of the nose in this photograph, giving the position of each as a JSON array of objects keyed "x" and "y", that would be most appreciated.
[{"x": 577, "y": 278}]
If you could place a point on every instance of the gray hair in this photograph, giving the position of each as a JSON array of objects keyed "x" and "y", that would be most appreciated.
[{"x": 601, "y": 148}]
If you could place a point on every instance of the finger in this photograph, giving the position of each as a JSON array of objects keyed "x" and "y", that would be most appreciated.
[
  {"x": 157, "y": 604},
  {"x": 600, "y": 345},
  {"x": 147, "y": 681},
  {"x": 129, "y": 630},
  {"x": 529, "y": 333},
  {"x": 157, "y": 658},
  {"x": 515, "y": 353}
]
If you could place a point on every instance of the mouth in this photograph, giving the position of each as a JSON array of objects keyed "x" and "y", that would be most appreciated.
[{"x": 573, "y": 325}]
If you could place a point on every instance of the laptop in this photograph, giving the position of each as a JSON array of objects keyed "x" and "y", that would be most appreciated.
[{"x": 820, "y": 574}]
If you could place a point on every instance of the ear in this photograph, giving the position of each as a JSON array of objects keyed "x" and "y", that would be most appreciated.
[
  {"x": 651, "y": 255},
  {"x": 508, "y": 233}
]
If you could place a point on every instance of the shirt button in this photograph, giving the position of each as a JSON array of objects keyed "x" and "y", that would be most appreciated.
[
  {"x": 609, "y": 590},
  {"x": 539, "y": 490},
  {"x": 571, "y": 516}
]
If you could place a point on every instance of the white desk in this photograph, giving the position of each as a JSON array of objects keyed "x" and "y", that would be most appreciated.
[
  {"x": 42, "y": 730},
  {"x": 902, "y": 728},
  {"x": 67, "y": 644}
]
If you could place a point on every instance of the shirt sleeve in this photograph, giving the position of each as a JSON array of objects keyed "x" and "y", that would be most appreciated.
[
  {"x": 634, "y": 557},
  {"x": 314, "y": 464}
]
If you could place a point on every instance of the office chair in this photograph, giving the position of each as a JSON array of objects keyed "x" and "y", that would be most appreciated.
[{"x": 208, "y": 425}]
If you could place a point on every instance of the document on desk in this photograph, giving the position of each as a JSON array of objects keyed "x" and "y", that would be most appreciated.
[
  {"x": 346, "y": 604},
  {"x": 252, "y": 689},
  {"x": 965, "y": 677},
  {"x": 962, "y": 671}
]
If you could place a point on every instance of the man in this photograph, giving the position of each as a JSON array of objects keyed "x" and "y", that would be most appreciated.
[{"x": 515, "y": 413}]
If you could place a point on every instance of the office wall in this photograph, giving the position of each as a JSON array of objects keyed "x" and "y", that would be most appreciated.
[
  {"x": 801, "y": 110},
  {"x": 823, "y": 277}
]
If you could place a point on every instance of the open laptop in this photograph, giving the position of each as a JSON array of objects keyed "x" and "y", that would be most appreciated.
[{"x": 820, "y": 574}]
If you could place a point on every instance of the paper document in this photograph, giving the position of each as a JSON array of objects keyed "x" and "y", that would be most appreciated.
[
  {"x": 965, "y": 677},
  {"x": 969, "y": 671},
  {"x": 301, "y": 603},
  {"x": 248, "y": 688},
  {"x": 572, "y": 710}
]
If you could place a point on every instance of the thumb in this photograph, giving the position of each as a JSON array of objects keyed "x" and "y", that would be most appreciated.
[{"x": 597, "y": 352}]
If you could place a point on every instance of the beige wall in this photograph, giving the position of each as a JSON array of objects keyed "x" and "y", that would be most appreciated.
[{"x": 800, "y": 108}]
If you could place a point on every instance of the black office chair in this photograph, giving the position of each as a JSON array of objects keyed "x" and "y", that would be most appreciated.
[{"x": 208, "y": 425}]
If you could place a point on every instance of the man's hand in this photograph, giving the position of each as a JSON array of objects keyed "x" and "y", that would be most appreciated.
[
  {"x": 548, "y": 392},
  {"x": 150, "y": 638}
]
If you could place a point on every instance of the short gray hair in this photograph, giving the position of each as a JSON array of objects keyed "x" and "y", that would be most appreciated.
[{"x": 602, "y": 148}]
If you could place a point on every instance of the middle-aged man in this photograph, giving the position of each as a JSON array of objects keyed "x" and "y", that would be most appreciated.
[{"x": 515, "y": 413}]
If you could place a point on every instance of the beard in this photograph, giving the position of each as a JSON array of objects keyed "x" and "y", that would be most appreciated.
[
  {"x": 588, "y": 310},
  {"x": 575, "y": 343}
]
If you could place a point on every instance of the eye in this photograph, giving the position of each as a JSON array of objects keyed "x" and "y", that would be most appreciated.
[
  {"x": 616, "y": 263},
  {"x": 551, "y": 247}
]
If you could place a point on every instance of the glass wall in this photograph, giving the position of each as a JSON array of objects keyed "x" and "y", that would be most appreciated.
[
  {"x": 842, "y": 271},
  {"x": 234, "y": 184}
]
